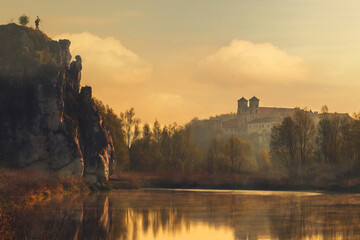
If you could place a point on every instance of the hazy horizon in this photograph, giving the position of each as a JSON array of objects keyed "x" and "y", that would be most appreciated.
[{"x": 175, "y": 61}]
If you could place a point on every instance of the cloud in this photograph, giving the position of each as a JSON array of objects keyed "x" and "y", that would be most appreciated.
[
  {"x": 167, "y": 98},
  {"x": 244, "y": 62},
  {"x": 165, "y": 102},
  {"x": 106, "y": 61}
]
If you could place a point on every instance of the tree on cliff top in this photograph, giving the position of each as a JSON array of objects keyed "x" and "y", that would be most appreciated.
[{"x": 24, "y": 20}]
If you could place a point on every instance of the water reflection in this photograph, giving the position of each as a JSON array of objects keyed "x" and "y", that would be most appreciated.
[{"x": 139, "y": 214}]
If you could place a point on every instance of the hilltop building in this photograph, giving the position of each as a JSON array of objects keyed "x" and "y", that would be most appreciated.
[{"x": 252, "y": 122}]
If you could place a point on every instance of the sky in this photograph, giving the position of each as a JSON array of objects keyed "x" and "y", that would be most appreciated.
[{"x": 173, "y": 60}]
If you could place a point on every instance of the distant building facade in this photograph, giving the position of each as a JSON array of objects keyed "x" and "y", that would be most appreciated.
[{"x": 252, "y": 122}]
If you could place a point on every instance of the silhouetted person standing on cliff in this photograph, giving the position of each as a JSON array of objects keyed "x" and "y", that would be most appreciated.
[{"x": 37, "y": 22}]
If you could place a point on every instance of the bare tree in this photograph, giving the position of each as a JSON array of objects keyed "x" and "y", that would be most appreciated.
[
  {"x": 157, "y": 131},
  {"x": 283, "y": 146},
  {"x": 305, "y": 132},
  {"x": 131, "y": 126},
  {"x": 292, "y": 142}
]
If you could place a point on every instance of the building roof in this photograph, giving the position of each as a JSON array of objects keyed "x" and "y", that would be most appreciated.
[
  {"x": 333, "y": 114},
  {"x": 212, "y": 121},
  {"x": 266, "y": 120},
  {"x": 275, "y": 110},
  {"x": 254, "y": 99},
  {"x": 242, "y": 100}
]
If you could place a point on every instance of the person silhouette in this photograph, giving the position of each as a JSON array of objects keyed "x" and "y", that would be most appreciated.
[{"x": 37, "y": 22}]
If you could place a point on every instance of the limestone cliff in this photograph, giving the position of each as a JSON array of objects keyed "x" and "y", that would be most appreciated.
[{"x": 46, "y": 119}]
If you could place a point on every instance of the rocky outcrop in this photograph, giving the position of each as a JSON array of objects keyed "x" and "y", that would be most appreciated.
[{"x": 46, "y": 119}]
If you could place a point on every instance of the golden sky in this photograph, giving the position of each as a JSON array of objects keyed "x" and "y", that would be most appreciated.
[{"x": 176, "y": 59}]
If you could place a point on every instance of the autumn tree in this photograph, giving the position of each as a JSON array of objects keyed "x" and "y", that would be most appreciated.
[
  {"x": 168, "y": 149},
  {"x": 182, "y": 152},
  {"x": 355, "y": 142},
  {"x": 131, "y": 126},
  {"x": 238, "y": 152},
  {"x": 156, "y": 131},
  {"x": 147, "y": 134},
  {"x": 216, "y": 159},
  {"x": 283, "y": 146},
  {"x": 229, "y": 155},
  {"x": 141, "y": 151},
  {"x": 115, "y": 127},
  {"x": 263, "y": 160},
  {"x": 213, "y": 155},
  {"x": 305, "y": 133},
  {"x": 335, "y": 141},
  {"x": 292, "y": 143}
]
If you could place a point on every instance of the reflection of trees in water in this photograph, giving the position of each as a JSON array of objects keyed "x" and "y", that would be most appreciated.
[
  {"x": 132, "y": 214},
  {"x": 286, "y": 221},
  {"x": 251, "y": 217},
  {"x": 324, "y": 218},
  {"x": 96, "y": 223},
  {"x": 53, "y": 223},
  {"x": 148, "y": 221},
  {"x": 70, "y": 218}
]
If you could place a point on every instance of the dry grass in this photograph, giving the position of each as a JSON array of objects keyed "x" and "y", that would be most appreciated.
[
  {"x": 32, "y": 184},
  {"x": 20, "y": 189}
]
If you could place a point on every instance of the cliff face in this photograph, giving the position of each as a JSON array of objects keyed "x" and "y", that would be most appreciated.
[{"x": 47, "y": 120}]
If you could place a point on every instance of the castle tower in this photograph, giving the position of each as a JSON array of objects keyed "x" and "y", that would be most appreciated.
[
  {"x": 242, "y": 106},
  {"x": 254, "y": 105}
]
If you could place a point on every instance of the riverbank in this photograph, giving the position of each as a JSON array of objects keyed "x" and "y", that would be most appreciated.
[
  {"x": 238, "y": 181},
  {"x": 33, "y": 185},
  {"x": 21, "y": 189}
]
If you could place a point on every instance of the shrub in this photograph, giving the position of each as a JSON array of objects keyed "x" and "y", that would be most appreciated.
[{"x": 24, "y": 20}]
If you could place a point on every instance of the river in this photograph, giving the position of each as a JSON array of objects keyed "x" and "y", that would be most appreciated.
[{"x": 199, "y": 214}]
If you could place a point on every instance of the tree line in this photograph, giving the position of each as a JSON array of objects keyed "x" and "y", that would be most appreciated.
[
  {"x": 301, "y": 146},
  {"x": 171, "y": 147},
  {"x": 150, "y": 148}
]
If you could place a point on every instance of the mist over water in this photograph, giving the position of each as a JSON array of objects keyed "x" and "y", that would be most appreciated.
[{"x": 153, "y": 214}]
